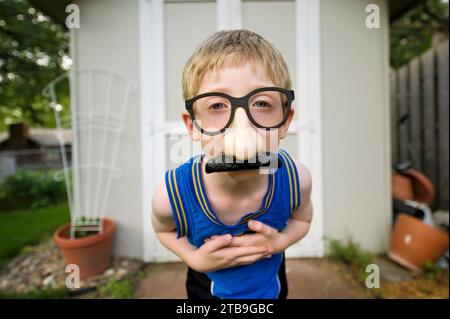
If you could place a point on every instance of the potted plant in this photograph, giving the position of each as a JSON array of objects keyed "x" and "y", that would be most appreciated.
[{"x": 87, "y": 243}]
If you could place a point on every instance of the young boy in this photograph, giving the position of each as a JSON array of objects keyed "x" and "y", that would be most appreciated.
[{"x": 231, "y": 226}]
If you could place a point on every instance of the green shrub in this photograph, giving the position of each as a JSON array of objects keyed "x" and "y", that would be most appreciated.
[{"x": 31, "y": 189}]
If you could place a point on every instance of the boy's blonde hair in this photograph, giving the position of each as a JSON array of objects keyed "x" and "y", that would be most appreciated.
[{"x": 233, "y": 48}]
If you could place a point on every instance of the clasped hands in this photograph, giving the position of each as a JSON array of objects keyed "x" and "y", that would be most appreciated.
[{"x": 226, "y": 251}]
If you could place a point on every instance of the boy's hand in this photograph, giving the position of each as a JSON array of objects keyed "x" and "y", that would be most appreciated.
[
  {"x": 216, "y": 254},
  {"x": 264, "y": 236}
]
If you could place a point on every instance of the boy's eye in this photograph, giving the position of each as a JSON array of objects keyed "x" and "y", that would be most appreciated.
[
  {"x": 218, "y": 106},
  {"x": 261, "y": 104}
]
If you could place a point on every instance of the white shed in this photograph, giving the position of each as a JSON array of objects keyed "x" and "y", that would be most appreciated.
[{"x": 339, "y": 66}]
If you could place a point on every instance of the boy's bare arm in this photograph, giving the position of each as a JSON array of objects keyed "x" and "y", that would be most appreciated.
[
  {"x": 297, "y": 227},
  {"x": 164, "y": 225},
  {"x": 209, "y": 257}
]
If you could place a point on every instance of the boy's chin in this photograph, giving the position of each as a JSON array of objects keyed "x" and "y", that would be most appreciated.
[{"x": 242, "y": 175}]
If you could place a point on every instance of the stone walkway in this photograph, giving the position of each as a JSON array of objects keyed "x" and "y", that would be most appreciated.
[{"x": 307, "y": 278}]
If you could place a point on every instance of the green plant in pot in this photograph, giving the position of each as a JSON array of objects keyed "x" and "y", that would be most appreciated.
[{"x": 86, "y": 226}]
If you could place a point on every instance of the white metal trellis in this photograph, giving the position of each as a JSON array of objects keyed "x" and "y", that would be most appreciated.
[{"x": 96, "y": 129}]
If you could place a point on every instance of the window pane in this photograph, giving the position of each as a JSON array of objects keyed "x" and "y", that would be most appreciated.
[
  {"x": 187, "y": 24},
  {"x": 275, "y": 21}
]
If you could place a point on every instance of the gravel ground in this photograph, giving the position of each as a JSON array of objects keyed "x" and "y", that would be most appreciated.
[{"x": 41, "y": 267}]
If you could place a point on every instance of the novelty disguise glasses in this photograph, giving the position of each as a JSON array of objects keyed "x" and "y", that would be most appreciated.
[{"x": 213, "y": 112}]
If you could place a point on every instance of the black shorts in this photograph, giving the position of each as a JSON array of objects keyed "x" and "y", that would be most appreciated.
[{"x": 198, "y": 285}]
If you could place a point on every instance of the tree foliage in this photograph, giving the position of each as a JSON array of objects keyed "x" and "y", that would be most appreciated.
[
  {"x": 412, "y": 34},
  {"x": 33, "y": 50}
]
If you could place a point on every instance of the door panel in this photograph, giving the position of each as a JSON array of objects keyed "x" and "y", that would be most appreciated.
[{"x": 186, "y": 25}]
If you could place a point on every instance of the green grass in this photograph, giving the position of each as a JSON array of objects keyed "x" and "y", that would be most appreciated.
[
  {"x": 37, "y": 294},
  {"x": 431, "y": 270},
  {"x": 27, "y": 227},
  {"x": 118, "y": 289},
  {"x": 351, "y": 254}
]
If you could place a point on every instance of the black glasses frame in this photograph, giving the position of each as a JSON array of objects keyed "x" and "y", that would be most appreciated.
[{"x": 240, "y": 102}]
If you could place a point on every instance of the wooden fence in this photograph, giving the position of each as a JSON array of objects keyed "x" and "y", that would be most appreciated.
[{"x": 419, "y": 117}]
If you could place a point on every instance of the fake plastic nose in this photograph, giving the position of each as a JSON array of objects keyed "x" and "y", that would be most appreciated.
[{"x": 241, "y": 139}]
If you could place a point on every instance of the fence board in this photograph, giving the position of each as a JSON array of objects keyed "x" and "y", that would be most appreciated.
[
  {"x": 443, "y": 118},
  {"x": 402, "y": 111},
  {"x": 429, "y": 116},
  {"x": 393, "y": 101},
  {"x": 415, "y": 113}
]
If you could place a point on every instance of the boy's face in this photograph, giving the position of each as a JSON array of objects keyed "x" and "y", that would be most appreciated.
[{"x": 242, "y": 139}]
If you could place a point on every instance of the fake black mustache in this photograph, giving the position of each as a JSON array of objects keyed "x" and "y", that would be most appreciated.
[{"x": 225, "y": 163}]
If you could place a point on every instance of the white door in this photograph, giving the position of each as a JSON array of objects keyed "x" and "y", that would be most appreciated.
[{"x": 170, "y": 31}]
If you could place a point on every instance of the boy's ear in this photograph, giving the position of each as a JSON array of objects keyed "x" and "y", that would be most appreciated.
[
  {"x": 283, "y": 131},
  {"x": 192, "y": 130}
]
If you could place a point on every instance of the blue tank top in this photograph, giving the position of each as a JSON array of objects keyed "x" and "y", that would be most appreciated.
[{"x": 195, "y": 218}]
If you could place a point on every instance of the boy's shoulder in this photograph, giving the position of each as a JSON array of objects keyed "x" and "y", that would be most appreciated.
[
  {"x": 305, "y": 180},
  {"x": 304, "y": 176},
  {"x": 161, "y": 204}
]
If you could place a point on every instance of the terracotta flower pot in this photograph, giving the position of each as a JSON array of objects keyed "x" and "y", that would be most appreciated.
[
  {"x": 413, "y": 185},
  {"x": 414, "y": 242},
  {"x": 91, "y": 253},
  {"x": 402, "y": 187}
]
